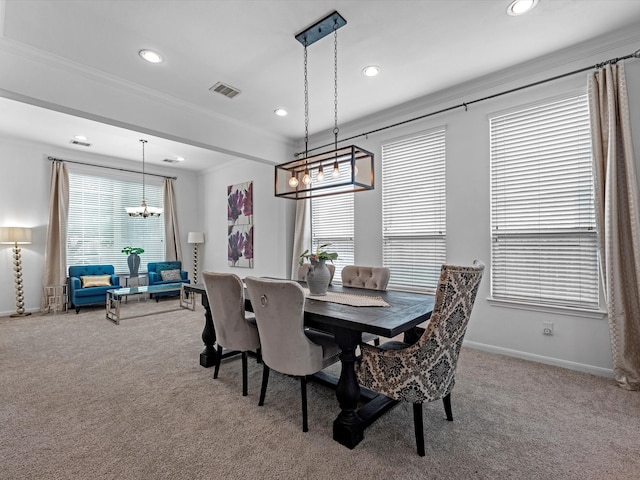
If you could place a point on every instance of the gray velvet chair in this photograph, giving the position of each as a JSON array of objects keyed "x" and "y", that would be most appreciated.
[
  {"x": 234, "y": 331},
  {"x": 425, "y": 371},
  {"x": 286, "y": 346},
  {"x": 374, "y": 278},
  {"x": 303, "y": 271}
]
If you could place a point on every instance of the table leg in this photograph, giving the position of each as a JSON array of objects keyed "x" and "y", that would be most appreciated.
[
  {"x": 208, "y": 355},
  {"x": 348, "y": 429}
]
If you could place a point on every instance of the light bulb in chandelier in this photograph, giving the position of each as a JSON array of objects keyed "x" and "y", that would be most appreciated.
[
  {"x": 320, "y": 175},
  {"x": 306, "y": 178},
  {"x": 336, "y": 170},
  {"x": 293, "y": 180}
]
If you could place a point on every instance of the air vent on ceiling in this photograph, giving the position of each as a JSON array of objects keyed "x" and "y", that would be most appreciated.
[
  {"x": 171, "y": 160},
  {"x": 226, "y": 90},
  {"x": 78, "y": 142}
]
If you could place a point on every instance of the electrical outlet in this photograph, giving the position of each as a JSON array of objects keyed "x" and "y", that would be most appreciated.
[{"x": 547, "y": 328}]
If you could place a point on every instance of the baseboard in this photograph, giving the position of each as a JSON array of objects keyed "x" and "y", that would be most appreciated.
[{"x": 580, "y": 367}]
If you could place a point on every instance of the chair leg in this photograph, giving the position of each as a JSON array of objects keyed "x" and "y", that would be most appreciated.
[
  {"x": 417, "y": 423},
  {"x": 265, "y": 380},
  {"x": 447, "y": 406},
  {"x": 244, "y": 374},
  {"x": 216, "y": 370},
  {"x": 303, "y": 391},
  {"x": 258, "y": 355}
]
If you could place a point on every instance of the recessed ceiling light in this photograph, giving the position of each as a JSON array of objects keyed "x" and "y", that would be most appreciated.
[
  {"x": 180, "y": 159},
  {"x": 150, "y": 56},
  {"x": 371, "y": 70},
  {"x": 519, "y": 7},
  {"x": 80, "y": 137},
  {"x": 281, "y": 112}
]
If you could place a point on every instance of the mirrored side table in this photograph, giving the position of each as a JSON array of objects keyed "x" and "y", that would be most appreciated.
[{"x": 55, "y": 299}]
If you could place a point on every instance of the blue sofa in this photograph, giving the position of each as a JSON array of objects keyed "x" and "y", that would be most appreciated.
[
  {"x": 79, "y": 295},
  {"x": 154, "y": 270}
]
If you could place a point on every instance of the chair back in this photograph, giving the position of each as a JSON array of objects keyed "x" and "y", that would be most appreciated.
[
  {"x": 303, "y": 271},
  {"x": 225, "y": 293},
  {"x": 425, "y": 371},
  {"x": 279, "y": 309},
  {"x": 374, "y": 278}
]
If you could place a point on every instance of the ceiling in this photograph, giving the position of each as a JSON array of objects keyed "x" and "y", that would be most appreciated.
[{"x": 422, "y": 47}]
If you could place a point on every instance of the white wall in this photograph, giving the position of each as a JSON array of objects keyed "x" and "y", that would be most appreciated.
[
  {"x": 24, "y": 200},
  {"x": 580, "y": 341},
  {"x": 272, "y": 220}
]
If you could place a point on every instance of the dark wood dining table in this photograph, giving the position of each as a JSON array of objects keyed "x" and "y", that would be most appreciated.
[{"x": 347, "y": 323}]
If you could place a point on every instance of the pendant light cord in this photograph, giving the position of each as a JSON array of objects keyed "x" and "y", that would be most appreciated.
[
  {"x": 335, "y": 85},
  {"x": 144, "y": 196},
  {"x": 306, "y": 104}
]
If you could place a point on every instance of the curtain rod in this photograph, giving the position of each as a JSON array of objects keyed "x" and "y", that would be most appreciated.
[
  {"x": 464, "y": 105},
  {"x": 111, "y": 168}
]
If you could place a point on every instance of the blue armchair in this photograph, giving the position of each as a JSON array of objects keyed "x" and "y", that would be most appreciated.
[
  {"x": 154, "y": 272},
  {"x": 93, "y": 290}
]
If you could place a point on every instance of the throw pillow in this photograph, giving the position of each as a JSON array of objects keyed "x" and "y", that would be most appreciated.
[
  {"x": 170, "y": 275},
  {"x": 165, "y": 266},
  {"x": 95, "y": 280}
]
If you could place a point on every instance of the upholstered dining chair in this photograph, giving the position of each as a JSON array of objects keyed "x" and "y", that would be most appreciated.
[
  {"x": 286, "y": 346},
  {"x": 303, "y": 271},
  {"x": 234, "y": 329},
  {"x": 425, "y": 371},
  {"x": 373, "y": 278}
]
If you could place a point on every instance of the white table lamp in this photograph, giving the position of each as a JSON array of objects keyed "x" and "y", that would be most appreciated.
[
  {"x": 195, "y": 238},
  {"x": 17, "y": 236}
]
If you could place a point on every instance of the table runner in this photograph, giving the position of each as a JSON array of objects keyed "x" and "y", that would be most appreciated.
[{"x": 348, "y": 299}]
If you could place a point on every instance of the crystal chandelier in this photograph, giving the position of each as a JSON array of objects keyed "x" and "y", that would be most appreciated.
[{"x": 143, "y": 210}]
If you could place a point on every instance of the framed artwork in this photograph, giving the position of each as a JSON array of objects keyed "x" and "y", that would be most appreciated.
[
  {"x": 240, "y": 225},
  {"x": 240, "y": 204}
]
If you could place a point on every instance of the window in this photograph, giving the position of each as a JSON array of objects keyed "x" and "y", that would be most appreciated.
[
  {"x": 332, "y": 222},
  {"x": 542, "y": 206},
  {"x": 99, "y": 228},
  {"x": 414, "y": 210}
]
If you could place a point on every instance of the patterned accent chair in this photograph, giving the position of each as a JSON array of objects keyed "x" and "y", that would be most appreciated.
[
  {"x": 234, "y": 330},
  {"x": 286, "y": 346},
  {"x": 425, "y": 370},
  {"x": 303, "y": 271},
  {"x": 373, "y": 278}
]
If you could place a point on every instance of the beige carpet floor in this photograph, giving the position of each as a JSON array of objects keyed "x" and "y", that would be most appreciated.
[{"x": 82, "y": 398}]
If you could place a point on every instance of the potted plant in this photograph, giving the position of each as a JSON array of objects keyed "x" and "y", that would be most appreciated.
[
  {"x": 133, "y": 260},
  {"x": 319, "y": 276},
  {"x": 320, "y": 255}
]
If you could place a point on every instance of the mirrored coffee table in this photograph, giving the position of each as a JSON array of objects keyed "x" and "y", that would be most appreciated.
[{"x": 115, "y": 296}]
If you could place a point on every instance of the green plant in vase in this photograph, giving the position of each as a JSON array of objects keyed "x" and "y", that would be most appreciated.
[{"x": 133, "y": 260}]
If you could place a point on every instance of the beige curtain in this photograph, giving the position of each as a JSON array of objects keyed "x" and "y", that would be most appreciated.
[
  {"x": 172, "y": 248},
  {"x": 301, "y": 234},
  {"x": 617, "y": 203},
  {"x": 55, "y": 250}
]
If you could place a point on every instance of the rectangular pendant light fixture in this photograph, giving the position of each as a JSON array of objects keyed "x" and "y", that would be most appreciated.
[
  {"x": 317, "y": 176},
  {"x": 342, "y": 170}
]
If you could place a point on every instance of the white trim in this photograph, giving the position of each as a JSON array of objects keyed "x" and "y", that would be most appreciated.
[
  {"x": 557, "y": 362},
  {"x": 556, "y": 309}
]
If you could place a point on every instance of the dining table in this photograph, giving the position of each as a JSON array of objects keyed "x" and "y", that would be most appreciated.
[{"x": 384, "y": 313}]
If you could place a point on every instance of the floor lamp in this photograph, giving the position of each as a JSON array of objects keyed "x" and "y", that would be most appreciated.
[
  {"x": 195, "y": 238},
  {"x": 17, "y": 236}
]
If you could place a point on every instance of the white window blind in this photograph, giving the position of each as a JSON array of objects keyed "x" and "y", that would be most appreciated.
[
  {"x": 542, "y": 207},
  {"x": 332, "y": 222},
  {"x": 99, "y": 228},
  {"x": 414, "y": 210}
]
